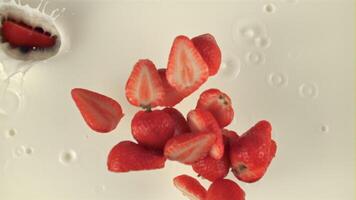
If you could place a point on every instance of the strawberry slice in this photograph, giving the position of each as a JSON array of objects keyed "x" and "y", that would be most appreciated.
[
  {"x": 171, "y": 96},
  {"x": 219, "y": 104},
  {"x": 128, "y": 156},
  {"x": 101, "y": 113},
  {"x": 190, "y": 187},
  {"x": 225, "y": 189},
  {"x": 180, "y": 124},
  {"x": 20, "y": 35},
  {"x": 188, "y": 148},
  {"x": 144, "y": 86},
  {"x": 209, "y": 50},
  {"x": 186, "y": 70},
  {"x": 203, "y": 121}
]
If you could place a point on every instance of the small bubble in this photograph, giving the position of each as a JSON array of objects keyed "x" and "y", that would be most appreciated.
[
  {"x": 277, "y": 80},
  {"x": 255, "y": 58},
  {"x": 230, "y": 68},
  {"x": 244, "y": 31},
  {"x": 248, "y": 33},
  {"x": 29, "y": 150},
  {"x": 67, "y": 157},
  {"x": 100, "y": 188},
  {"x": 269, "y": 8},
  {"x": 10, "y": 133},
  {"x": 263, "y": 42},
  {"x": 10, "y": 102},
  {"x": 324, "y": 128},
  {"x": 308, "y": 90},
  {"x": 19, "y": 151}
]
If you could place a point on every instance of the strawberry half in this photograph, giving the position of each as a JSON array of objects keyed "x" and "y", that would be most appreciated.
[
  {"x": 219, "y": 104},
  {"x": 180, "y": 124},
  {"x": 152, "y": 128},
  {"x": 190, "y": 187},
  {"x": 144, "y": 86},
  {"x": 186, "y": 70},
  {"x": 225, "y": 189},
  {"x": 21, "y": 35},
  {"x": 250, "y": 155},
  {"x": 128, "y": 156},
  {"x": 202, "y": 120},
  {"x": 171, "y": 96},
  {"x": 101, "y": 113},
  {"x": 209, "y": 50},
  {"x": 231, "y": 136},
  {"x": 189, "y": 148}
]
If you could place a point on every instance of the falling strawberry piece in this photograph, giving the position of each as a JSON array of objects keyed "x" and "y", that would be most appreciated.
[
  {"x": 180, "y": 124},
  {"x": 144, "y": 86},
  {"x": 171, "y": 96},
  {"x": 189, "y": 148},
  {"x": 250, "y": 155},
  {"x": 219, "y": 104},
  {"x": 231, "y": 136},
  {"x": 225, "y": 189},
  {"x": 128, "y": 156},
  {"x": 20, "y": 35},
  {"x": 190, "y": 187},
  {"x": 273, "y": 149},
  {"x": 209, "y": 50},
  {"x": 186, "y": 70},
  {"x": 101, "y": 113},
  {"x": 152, "y": 128},
  {"x": 202, "y": 120}
]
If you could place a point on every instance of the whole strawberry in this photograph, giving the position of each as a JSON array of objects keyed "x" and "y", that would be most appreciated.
[
  {"x": 180, "y": 124},
  {"x": 152, "y": 128}
]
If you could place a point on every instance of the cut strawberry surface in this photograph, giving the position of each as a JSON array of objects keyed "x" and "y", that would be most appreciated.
[
  {"x": 171, "y": 96},
  {"x": 189, "y": 148},
  {"x": 128, "y": 156},
  {"x": 186, "y": 70},
  {"x": 219, "y": 104},
  {"x": 202, "y": 120},
  {"x": 144, "y": 86},
  {"x": 100, "y": 112},
  {"x": 209, "y": 50},
  {"x": 20, "y": 35},
  {"x": 190, "y": 187},
  {"x": 225, "y": 189}
]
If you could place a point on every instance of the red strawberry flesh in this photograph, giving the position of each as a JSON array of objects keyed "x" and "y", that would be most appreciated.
[{"x": 190, "y": 187}]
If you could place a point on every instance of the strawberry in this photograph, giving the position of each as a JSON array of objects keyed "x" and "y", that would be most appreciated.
[
  {"x": 190, "y": 187},
  {"x": 144, "y": 86},
  {"x": 230, "y": 136},
  {"x": 201, "y": 120},
  {"x": 189, "y": 148},
  {"x": 225, "y": 189},
  {"x": 171, "y": 96},
  {"x": 128, "y": 156},
  {"x": 219, "y": 104},
  {"x": 21, "y": 35},
  {"x": 209, "y": 50},
  {"x": 101, "y": 113},
  {"x": 250, "y": 154},
  {"x": 180, "y": 124},
  {"x": 273, "y": 149},
  {"x": 186, "y": 70},
  {"x": 152, "y": 128}
]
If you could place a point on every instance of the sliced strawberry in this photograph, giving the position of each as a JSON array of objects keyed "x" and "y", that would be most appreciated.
[
  {"x": 180, "y": 124},
  {"x": 101, "y": 113},
  {"x": 128, "y": 156},
  {"x": 209, "y": 50},
  {"x": 202, "y": 120},
  {"x": 219, "y": 104},
  {"x": 20, "y": 35},
  {"x": 171, "y": 96},
  {"x": 273, "y": 149},
  {"x": 225, "y": 189},
  {"x": 186, "y": 70},
  {"x": 144, "y": 86},
  {"x": 190, "y": 187},
  {"x": 189, "y": 148},
  {"x": 231, "y": 136}
]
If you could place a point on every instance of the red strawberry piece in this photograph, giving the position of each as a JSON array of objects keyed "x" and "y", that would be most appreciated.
[
  {"x": 128, "y": 156},
  {"x": 152, "y": 128},
  {"x": 219, "y": 104},
  {"x": 144, "y": 86},
  {"x": 101, "y": 113},
  {"x": 21, "y": 35},
  {"x": 250, "y": 154},
  {"x": 180, "y": 124},
  {"x": 186, "y": 70},
  {"x": 190, "y": 187},
  {"x": 273, "y": 149},
  {"x": 202, "y": 120},
  {"x": 225, "y": 189},
  {"x": 171, "y": 96},
  {"x": 231, "y": 136},
  {"x": 209, "y": 50},
  {"x": 189, "y": 148}
]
